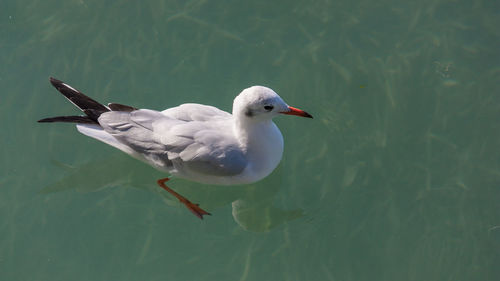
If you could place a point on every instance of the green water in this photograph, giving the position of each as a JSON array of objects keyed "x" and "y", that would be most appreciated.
[{"x": 396, "y": 178}]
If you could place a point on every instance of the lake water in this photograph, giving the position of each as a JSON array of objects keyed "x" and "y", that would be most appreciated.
[{"x": 396, "y": 178}]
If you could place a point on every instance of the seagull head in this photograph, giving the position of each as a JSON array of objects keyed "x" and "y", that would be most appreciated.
[{"x": 260, "y": 103}]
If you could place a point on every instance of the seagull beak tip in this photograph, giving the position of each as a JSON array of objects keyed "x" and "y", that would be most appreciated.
[{"x": 297, "y": 112}]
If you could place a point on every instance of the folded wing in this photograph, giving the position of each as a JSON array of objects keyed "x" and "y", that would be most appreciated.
[{"x": 180, "y": 141}]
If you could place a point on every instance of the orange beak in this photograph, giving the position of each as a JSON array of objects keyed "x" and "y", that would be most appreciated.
[{"x": 297, "y": 112}]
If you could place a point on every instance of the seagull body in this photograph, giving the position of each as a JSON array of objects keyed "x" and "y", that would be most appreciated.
[{"x": 192, "y": 141}]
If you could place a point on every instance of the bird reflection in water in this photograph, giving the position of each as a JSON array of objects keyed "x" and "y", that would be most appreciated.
[{"x": 252, "y": 205}]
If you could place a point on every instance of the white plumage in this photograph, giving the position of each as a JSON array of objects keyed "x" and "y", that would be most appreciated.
[{"x": 193, "y": 141}]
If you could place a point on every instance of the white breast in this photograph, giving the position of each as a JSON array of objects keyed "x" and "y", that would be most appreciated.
[{"x": 264, "y": 150}]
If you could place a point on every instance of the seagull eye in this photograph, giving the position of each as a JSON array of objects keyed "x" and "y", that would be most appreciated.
[{"x": 268, "y": 107}]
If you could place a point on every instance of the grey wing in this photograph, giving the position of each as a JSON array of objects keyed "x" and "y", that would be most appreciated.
[
  {"x": 209, "y": 153},
  {"x": 195, "y": 146},
  {"x": 135, "y": 130},
  {"x": 196, "y": 112}
]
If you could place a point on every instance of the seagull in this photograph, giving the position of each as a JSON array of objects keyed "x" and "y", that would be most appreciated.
[{"x": 192, "y": 141}]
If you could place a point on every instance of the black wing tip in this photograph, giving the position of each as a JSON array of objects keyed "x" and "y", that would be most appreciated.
[
  {"x": 121, "y": 107},
  {"x": 69, "y": 119},
  {"x": 55, "y": 82}
]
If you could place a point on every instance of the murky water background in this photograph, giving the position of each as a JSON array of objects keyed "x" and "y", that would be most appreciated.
[{"x": 396, "y": 178}]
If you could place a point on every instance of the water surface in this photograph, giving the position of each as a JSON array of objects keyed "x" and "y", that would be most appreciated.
[{"x": 396, "y": 178}]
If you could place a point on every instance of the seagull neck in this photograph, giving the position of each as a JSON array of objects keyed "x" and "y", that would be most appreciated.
[
  {"x": 251, "y": 131},
  {"x": 263, "y": 145}
]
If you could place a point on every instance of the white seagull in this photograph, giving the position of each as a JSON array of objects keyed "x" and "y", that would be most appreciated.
[{"x": 192, "y": 141}]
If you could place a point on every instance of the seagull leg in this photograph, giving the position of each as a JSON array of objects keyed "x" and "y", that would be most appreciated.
[{"x": 194, "y": 208}]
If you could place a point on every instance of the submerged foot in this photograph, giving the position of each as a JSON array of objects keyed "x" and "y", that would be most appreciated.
[{"x": 194, "y": 208}]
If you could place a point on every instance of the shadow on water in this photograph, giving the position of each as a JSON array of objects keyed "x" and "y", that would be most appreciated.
[{"x": 252, "y": 205}]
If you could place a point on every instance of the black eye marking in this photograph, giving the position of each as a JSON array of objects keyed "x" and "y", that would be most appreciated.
[
  {"x": 268, "y": 107},
  {"x": 249, "y": 112}
]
